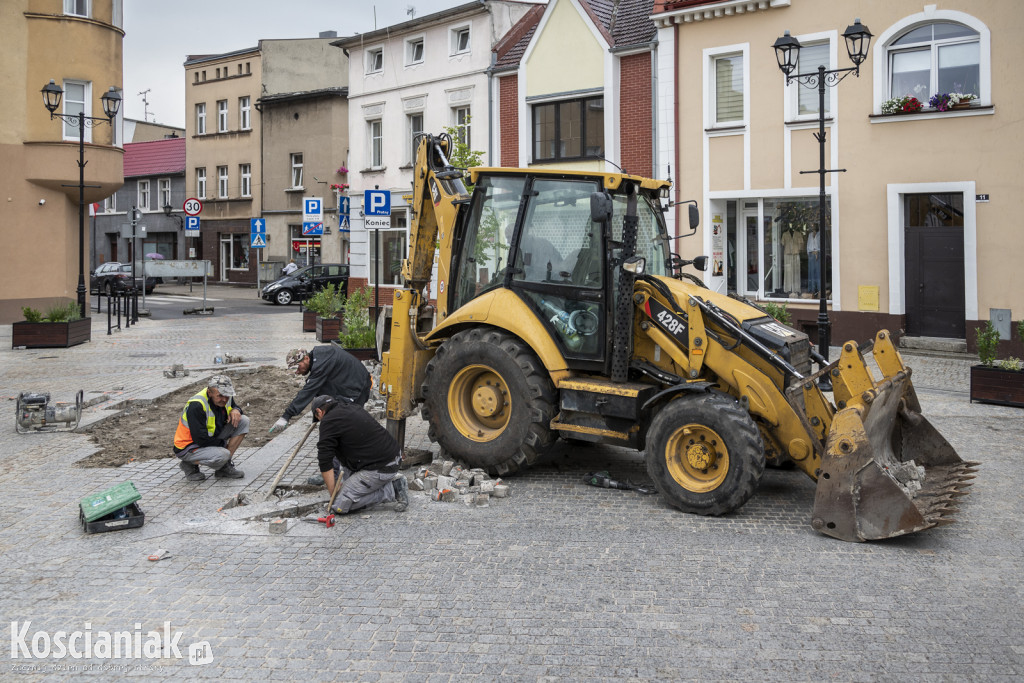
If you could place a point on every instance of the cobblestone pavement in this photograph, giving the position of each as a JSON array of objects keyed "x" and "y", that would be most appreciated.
[{"x": 560, "y": 581}]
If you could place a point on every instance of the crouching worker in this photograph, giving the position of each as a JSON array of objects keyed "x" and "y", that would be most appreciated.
[
  {"x": 353, "y": 444},
  {"x": 210, "y": 430}
]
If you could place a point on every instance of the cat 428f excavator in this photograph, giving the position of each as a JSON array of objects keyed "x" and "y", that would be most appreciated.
[{"x": 561, "y": 312}]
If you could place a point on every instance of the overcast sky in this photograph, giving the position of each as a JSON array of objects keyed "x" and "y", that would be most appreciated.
[{"x": 158, "y": 36}]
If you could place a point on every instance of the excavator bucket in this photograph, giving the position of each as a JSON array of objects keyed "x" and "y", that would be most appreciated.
[{"x": 886, "y": 471}]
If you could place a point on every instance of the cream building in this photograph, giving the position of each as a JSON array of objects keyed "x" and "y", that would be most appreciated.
[
  {"x": 39, "y": 175},
  {"x": 923, "y": 239}
]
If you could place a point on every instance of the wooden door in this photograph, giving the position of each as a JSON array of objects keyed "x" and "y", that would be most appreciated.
[{"x": 934, "y": 260}]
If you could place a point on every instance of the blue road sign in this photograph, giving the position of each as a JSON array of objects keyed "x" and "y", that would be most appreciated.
[
  {"x": 377, "y": 203},
  {"x": 312, "y": 209},
  {"x": 258, "y": 241},
  {"x": 316, "y": 228},
  {"x": 191, "y": 226},
  {"x": 257, "y": 225},
  {"x": 344, "y": 203},
  {"x": 344, "y": 224}
]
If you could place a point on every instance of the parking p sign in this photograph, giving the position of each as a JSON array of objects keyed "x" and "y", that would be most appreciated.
[{"x": 377, "y": 209}]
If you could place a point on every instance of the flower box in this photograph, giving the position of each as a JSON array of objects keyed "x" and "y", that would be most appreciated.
[
  {"x": 364, "y": 354},
  {"x": 309, "y": 321},
  {"x": 995, "y": 385},
  {"x": 50, "y": 335},
  {"x": 327, "y": 329}
]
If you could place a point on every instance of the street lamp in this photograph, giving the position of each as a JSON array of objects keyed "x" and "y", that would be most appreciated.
[
  {"x": 111, "y": 103},
  {"x": 787, "y": 53}
]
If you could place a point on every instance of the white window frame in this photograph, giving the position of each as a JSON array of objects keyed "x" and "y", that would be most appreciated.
[
  {"x": 467, "y": 126},
  {"x": 412, "y": 132},
  {"x": 245, "y": 174},
  {"x": 711, "y": 56},
  {"x": 296, "y": 165},
  {"x": 165, "y": 192},
  {"x": 201, "y": 118},
  {"x": 375, "y": 60},
  {"x": 110, "y": 204},
  {"x": 222, "y": 182},
  {"x": 200, "y": 182},
  {"x": 69, "y": 131},
  {"x": 222, "y": 116},
  {"x": 410, "y": 50},
  {"x": 371, "y": 249},
  {"x": 71, "y": 8},
  {"x": 792, "y": 91},
  {"x": 456, "y": 32},
  {"x": 244, "y": 112},
  {"x": 375, "y": 140},
  {"x": 880, "y": 54},
  {"x": 143, "y": 195}
]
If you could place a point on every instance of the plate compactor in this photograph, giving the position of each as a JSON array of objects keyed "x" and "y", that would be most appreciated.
[{"x": 35, "y": 413}]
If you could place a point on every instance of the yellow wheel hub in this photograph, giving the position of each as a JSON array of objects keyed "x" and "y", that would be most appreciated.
[
  {"x": 479, "y": 403},
  {"x": 697, "y": 458}
]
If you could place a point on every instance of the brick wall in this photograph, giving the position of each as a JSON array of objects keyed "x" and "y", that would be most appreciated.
[
  {"x": 635, "y": 114},
  {"x": 508, "y": 112}
]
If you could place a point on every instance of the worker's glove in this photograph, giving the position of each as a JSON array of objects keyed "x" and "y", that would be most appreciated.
[{"x": 280, "y": 424}]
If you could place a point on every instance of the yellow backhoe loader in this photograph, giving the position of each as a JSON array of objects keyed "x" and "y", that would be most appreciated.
[{"x": 561, "y": 312}]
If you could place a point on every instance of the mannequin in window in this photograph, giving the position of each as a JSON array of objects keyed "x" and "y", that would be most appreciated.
[
  {"x": 792, "y": 245},
  {"x": 813, "y": 274}
]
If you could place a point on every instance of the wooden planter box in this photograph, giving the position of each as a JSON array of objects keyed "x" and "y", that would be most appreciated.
[
  {"x": 364, "y": 354},
  {"x": 48, "y": 335},
  {"x": 309, "y": 321},
  {"x": 327, "y": 329},
  {"x": 994, "y": 385}
]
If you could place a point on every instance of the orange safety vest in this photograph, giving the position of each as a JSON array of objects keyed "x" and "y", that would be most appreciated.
[{"x": 182, "y": 436}]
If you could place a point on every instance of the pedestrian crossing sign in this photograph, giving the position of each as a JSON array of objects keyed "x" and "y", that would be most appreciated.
[{"x": 258, "y": 241}]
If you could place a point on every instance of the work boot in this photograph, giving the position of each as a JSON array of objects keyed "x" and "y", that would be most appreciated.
[
  {"x": 229, "y": 471},
  {"x": 318, "y": 480},
  {"x": 191, "y": 471},
  {"x": 401, "y": 487}
]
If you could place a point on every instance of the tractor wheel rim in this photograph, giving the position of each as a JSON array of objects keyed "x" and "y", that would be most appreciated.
[
  {"x": 697, "y": 458},
  {"x": 479, "y": 403}
]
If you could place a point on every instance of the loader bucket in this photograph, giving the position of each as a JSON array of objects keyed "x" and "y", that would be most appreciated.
[{"x": 887, "y": 471}]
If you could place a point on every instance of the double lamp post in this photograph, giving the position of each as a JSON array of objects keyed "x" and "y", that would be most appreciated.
[
  {"x": 787, "y": 52},
  {"x": 111, "y": 103}
]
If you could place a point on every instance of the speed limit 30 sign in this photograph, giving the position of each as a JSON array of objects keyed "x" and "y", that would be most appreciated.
[{"x": 192, "y": 207}]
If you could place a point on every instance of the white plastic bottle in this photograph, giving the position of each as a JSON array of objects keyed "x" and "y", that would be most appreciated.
[{"x": 218, "y": 357}]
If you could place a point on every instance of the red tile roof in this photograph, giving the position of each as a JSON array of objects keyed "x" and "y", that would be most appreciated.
[{"x": 156, "y": 157}]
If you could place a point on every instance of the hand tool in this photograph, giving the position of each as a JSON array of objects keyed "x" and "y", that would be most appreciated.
[
  {"x": 277, "y": 479},
  {"x": 160, "y": 554}
]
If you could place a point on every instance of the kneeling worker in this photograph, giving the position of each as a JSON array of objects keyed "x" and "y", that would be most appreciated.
[
  {"x": 354, "y": 444},
  {"x": 210, "y": 430}
]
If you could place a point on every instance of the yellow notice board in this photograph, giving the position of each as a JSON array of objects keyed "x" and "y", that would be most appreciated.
[{"x": 867, "y": 298}]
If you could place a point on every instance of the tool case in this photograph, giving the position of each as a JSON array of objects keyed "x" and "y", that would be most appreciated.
[{"x": 114, "y": 509}]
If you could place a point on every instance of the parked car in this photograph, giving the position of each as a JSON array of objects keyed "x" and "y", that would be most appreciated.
[
  {"x": 304, "y": 281},
  {"x": 114, "y": 277}
]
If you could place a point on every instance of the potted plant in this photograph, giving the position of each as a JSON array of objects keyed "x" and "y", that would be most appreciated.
[
  {"x": 358, "y": 335},
  {"x": 325, "y": 304},
  {"x": 62, "y": 326},
  {"x": 993, "y": 382},
  {"x": 953, "y": 100},
  {"x": 902, "y": 105}
]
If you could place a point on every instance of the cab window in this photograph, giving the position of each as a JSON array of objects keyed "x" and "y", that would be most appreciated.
[{"x": 559, "y": 242}]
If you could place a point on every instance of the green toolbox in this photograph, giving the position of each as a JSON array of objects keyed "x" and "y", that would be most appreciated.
[{"x": 112, "y": 509}]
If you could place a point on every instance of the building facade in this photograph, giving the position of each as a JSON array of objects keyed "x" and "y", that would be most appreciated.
[
  {"x": 921, "y": 233},
  {"x": 222, "y": 135},
  {"x": 154, "y": 186},
  {"x": 420, "y": 76},
  {"x": 304, "y": 118},
  {"x": 40, "y": 173}
]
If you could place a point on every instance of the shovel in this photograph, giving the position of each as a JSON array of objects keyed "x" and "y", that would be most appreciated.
[{"x": 284, "y": 468}]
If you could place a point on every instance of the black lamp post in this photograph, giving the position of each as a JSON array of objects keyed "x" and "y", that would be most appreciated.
[
  {"x": 787, "y": 53},
  {"x": 111, "y": 103}
]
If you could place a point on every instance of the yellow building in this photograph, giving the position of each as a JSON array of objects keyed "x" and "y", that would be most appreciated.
[
  {"x": 77, "y": 44},
  {"x": 923, "y": 238}
]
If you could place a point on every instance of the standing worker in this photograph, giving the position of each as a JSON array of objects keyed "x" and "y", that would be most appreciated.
[
  {"x": 330, "y": 370},
  {"x": 210, "y": 430},
  {"x": 354, "y": 445}
]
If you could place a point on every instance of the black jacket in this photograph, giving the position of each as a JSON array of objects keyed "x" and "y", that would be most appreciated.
[
  {"x": 335, "y": 372},
  {"x": 350, "y": 434}
]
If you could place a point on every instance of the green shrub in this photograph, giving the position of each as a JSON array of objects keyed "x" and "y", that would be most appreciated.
[
  {"x": 326, "y": 302},
  {"x": 1011, "y": 363},
  {"x": 1020, "y": 330},
  {"x": 63, "y": 313},
  {"x": 31, "y": 315},
  {"x": 988, "y": 343},
  {"x": 358, "y": 332},
  {"x": 777, "y": 311}
]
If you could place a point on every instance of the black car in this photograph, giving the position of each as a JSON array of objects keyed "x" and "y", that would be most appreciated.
[
  {"x": 114, "y": 277},
  {"x": 304, "y": 281}
]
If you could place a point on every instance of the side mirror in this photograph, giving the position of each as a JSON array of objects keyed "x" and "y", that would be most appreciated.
[
  {"x": 694, "y": 218},
  {"x": 701, "y": 262},
  {"x": 600, "y": 207}
]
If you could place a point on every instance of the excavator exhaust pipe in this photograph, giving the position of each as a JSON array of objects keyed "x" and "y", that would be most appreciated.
[{"x": 887, "y": 471}]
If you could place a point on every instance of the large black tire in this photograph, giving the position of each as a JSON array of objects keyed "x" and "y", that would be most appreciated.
[
  {"x": 704, "y": 453},
  {"x": 488, "y": 401}
]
